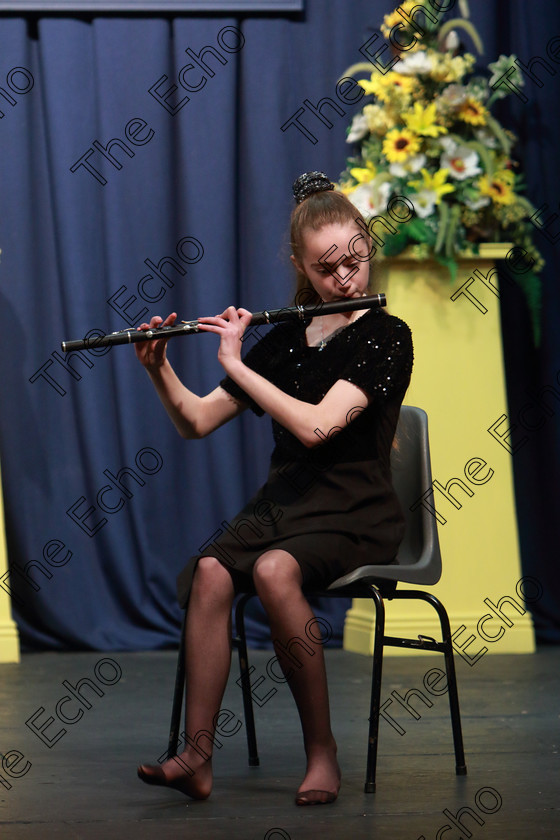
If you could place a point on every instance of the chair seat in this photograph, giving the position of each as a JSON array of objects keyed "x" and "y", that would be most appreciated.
[{"x": 379, "y": 575}]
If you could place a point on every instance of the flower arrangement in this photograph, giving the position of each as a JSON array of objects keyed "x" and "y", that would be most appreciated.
[{"x": 428, "y": 134}]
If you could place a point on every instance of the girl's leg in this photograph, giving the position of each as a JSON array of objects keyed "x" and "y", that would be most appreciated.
[
  {"x": 208, "y": 660},
  {"x": 277, "y": 578}
]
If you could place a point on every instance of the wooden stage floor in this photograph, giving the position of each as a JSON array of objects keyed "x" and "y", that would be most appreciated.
[{"x": 82, "y": 785}]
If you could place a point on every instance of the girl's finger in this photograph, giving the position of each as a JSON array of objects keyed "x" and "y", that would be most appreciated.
[
  {"x": 216, "y": 328},
  {"x": 213, "y": 319}
]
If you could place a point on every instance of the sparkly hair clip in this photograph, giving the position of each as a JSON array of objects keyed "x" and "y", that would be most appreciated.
[{"x": 309, "y": 183}]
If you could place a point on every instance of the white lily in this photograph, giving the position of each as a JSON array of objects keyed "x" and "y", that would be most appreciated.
[
  {"x": 453, "y": 95},
  {"x": 483, "y": 201},
  {"x": 461, "y": 161},
  {"x": 415, "y": 63},
  {"x": 486, "y": 138},
  {"x": 424, "y": 202},
  {"x": 413, "y": 164},
  {"x": 358, "y": 129},
  {"x": 371, "y": 198}
]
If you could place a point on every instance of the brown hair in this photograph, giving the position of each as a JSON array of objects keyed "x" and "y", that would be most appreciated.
[{"x": 313, "y": 213}]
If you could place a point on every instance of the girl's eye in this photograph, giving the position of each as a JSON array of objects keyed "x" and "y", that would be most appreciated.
[{"x": 332, "y": 272}]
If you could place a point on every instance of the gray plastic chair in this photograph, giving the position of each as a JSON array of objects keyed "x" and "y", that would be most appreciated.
[{"x": 418, "y": 562}]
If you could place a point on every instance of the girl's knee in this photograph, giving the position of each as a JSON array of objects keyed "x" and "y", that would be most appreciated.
[
  {"x": 208, "y": 565},
  {"x": 275, "y": 571},
  {"x": 211, "y": 574}
]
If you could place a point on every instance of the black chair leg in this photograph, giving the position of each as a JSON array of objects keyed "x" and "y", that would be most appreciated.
[
  {"x": 241, "y": 643},
  {"x": 177, "y": 695},
  {"x": 375, "y": 700},
  {"x": 460, "y": 765},
  {"x": 447, "y": 650}
]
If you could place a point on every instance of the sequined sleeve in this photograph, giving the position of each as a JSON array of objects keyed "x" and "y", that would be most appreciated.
[
  {"x": 382, "y": 364},
  {"x": 262, "y": 358}
]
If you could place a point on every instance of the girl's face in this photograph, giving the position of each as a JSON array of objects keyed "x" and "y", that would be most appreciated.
[{"x": 335, "y": 259}]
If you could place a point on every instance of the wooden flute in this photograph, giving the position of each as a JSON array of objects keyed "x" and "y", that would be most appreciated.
[{"x": 267, "y": 316}]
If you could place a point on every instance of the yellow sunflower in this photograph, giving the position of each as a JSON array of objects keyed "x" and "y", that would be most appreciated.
[
  {"x": 498, "y": 186},
  {"x": 472, "y": 112},
  {"x": 400, "y": 144}
]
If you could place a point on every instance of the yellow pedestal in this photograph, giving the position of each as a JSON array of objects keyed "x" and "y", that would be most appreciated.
[
  {"x": 458, "y": 379},
  {"x": 9, "y": 639}
]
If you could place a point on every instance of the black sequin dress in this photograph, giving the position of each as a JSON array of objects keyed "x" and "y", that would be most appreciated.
[{"x": 333, "y": 506}]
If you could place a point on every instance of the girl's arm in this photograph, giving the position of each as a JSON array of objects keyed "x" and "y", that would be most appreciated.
[
  {"x": 192, "y": 416},
  {"x": 310, "y": 423}
]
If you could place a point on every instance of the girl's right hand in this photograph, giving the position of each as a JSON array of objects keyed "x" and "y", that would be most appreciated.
[{"x": 152, "y": 354}]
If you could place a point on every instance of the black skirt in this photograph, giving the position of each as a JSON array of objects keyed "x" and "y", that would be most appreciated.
[{"x": 331, "y": 522}]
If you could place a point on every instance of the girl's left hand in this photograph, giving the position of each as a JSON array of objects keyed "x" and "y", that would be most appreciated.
[{"x": 230, "y": 326}]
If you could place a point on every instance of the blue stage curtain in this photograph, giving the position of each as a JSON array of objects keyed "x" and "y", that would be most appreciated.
[{"x": 119, "y": 202}]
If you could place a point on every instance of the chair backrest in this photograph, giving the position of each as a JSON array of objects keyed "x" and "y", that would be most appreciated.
[{"x": 419, "y": 558}]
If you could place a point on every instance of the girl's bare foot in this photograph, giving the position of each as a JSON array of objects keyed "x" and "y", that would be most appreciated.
[
  {"x": 321, "y": 783},
  {"x": 188, "y": 772}
]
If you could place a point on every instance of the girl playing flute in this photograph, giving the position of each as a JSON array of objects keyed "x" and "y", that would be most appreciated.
[{"x": 333, "y": 386}]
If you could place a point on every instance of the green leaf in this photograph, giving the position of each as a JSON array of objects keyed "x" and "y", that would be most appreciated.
[
  {"x": 451, "y": 230},
  {"x": 396, "y": 243},
  {"x": 499, "y": 133},
  {"x": 450, "y": 263},
  {"x": 417, "y": 230},
  {"x": 360, "y": 67},
  {"x": 442, "y": 229},
  {"x": 526, "y": 204}
]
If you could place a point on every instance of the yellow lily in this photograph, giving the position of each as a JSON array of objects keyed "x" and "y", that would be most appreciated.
[
  {"x": 435, "y": 183},
  {"x": 364, "y": 174},
  {"x": 422, "y": 120}
]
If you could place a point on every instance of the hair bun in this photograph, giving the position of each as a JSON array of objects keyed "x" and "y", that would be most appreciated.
[{"x": 309, "y": 183}]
